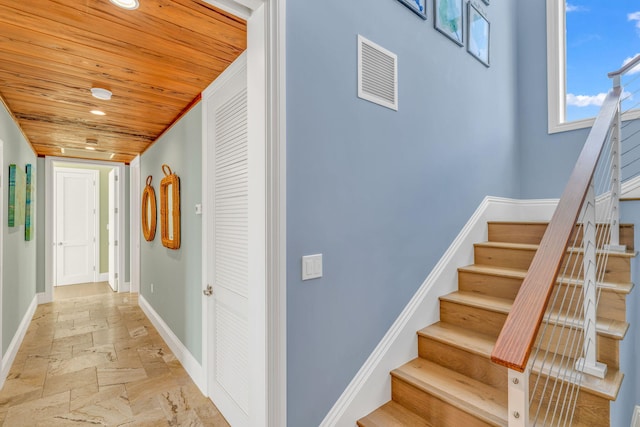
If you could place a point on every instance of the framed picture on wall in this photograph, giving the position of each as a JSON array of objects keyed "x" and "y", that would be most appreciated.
[
  {"x": 17, "y": 195},
  {"x": 28, "y": 214},
  {"x": 448, "y": 19},
  {"x": 419, "y": 7},
  {"x": 478, "y": 39}
]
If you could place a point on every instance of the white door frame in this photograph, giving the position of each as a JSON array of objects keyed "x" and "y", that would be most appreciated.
[
  {"x": 96, "y": 222},
  {"x": 267, "y": 181},
  {"x": 135, "y": 199},
  {"x": 2, "y": 234},
  {"x": 114, "y": 231},
  {"x": 48, "y": 238}
]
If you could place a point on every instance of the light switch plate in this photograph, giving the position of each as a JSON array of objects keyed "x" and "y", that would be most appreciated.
[
  {"x": 311, "y": 266},
  {"x": 198, "y": 209}
]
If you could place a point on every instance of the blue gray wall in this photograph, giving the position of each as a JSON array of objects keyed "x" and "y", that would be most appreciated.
[
  {"x": 19, "y": 257},
  {"x": 177, "y": 274},
  {"x": 381, "y": 194},
  {"x": 546, "y": 160}
]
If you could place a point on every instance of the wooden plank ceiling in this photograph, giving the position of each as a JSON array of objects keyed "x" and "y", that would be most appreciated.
[{"x": 156, "y": 60}]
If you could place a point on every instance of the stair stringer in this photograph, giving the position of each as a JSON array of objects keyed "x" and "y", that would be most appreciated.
[{"x": 371, "y": 386}]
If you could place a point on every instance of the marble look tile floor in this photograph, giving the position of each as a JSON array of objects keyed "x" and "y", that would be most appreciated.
[{"x": 96, "y": 360}]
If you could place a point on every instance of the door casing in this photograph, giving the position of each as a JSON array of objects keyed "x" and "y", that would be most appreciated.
[{"x": 114, "y": 231}]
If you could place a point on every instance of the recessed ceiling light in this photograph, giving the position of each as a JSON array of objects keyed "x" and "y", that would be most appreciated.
[
  {"x": 98, "y": 113},
  {"x": 62, "y": 149},
  {"x": 126, "y": 4},
  {"x": 101, "y": 93},
  {"x": 90, "y": 148}
]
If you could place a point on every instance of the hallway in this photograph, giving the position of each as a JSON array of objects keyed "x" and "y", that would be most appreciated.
[{"x": 93, "y": 358}]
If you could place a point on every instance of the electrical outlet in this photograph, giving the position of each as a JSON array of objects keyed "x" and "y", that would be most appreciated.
[{"x": 152, "y": 288}]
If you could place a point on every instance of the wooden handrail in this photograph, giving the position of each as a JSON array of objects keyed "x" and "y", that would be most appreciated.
[
  {"x": 516, "y": 339},
  {"x": 625, "y": 68}
]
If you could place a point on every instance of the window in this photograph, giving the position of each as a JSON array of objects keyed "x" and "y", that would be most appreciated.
[{"x": 586, "y": 39}]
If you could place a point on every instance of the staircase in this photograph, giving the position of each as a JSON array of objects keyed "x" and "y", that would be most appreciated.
[{"x": 453, "y": 382}]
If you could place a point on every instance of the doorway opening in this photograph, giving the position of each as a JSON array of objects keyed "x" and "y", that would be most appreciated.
[{"x": 85, "y": 226}]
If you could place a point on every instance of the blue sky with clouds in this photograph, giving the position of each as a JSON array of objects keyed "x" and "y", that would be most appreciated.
[{"x": 601, "y": 36}]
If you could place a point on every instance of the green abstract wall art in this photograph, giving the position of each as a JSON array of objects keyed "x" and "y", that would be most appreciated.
[
  {"x": 28, "y": 215},
  {"x": 17, "y": 196},
  {"x": 448, "y": 19}
]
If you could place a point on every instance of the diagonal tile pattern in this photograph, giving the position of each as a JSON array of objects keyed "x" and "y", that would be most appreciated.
[{"x": 92, "y": 358}]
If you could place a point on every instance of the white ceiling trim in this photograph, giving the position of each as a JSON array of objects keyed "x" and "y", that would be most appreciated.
[{"x": 240, "y": 8}]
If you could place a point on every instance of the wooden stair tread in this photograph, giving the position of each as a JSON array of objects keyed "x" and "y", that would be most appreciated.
[
  {"x": 519, "y": 222},
  {"x": 606, "y": 387},
  {"x": 456, "y": 336},
  {"x": 490, "y": 270},
  {"x": 486, "y": 302},
  {"x": 532, "y": 247},
  {"x": 483, "y": 401},
  {"x": 541, "y": 223},
  {"x": 616, "y": 287},
  {"x": 392, "y": 414},
  {"x": 518, "y": 273},
  {"x": 482, "y": 345},
  {"x": 606, "y": 327},
  {"x": 508, "y": 245},
  {"x": 622, "y": 224}
]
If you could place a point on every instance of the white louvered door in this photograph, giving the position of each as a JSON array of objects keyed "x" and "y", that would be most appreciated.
[{"x": 227, "y": 144}]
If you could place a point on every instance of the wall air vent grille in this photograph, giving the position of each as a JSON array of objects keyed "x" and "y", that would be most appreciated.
[{"x": 377, "y": 74}]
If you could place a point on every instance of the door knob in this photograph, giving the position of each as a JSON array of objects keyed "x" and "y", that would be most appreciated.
[
  {"x": 60, "y": 244},
  {"x": 209, "y": 291}
]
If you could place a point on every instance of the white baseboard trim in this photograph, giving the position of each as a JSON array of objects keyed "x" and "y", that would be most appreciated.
[
  {"x": 190, "y": 364},
  {"x": 630, "y": 189},
  {"x": 103, "y": 277},
  {"x": 371, "y": 387},
  {"x": 635, "y": 420},
  {"x": 14, "y": 346},
  {"x": 134, "y": 288},
  {"x": 125, "y": 287},
  {"x": 43, "y": 298}
]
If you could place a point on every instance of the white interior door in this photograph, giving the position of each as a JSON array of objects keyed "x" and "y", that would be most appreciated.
[
  {"x": 75, "y": 227},
  {"x": 227, "y": 248},
  {"x": 113, "y": 229}
]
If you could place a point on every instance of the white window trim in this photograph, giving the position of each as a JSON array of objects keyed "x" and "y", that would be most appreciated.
[
  {"x": 556, "y": 70},
  {"x": 557, "y": 73}
]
